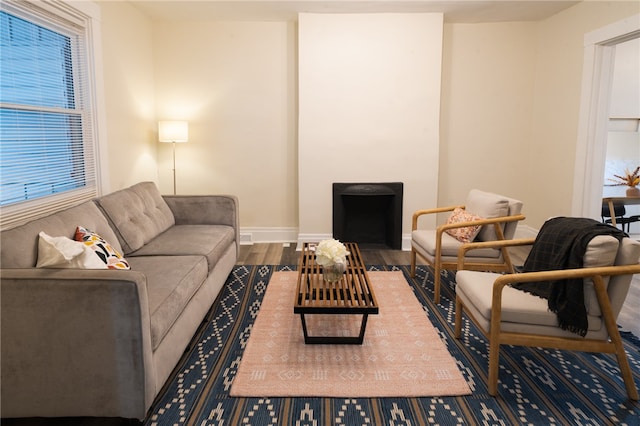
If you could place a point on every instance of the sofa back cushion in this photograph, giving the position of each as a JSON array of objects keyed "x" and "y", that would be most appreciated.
[
  {"x": 137, "y": 214},
  {"x": 19, "y": 248}
]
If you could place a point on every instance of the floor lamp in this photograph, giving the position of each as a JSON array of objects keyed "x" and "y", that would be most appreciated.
[{"x": 173, "y": 132}]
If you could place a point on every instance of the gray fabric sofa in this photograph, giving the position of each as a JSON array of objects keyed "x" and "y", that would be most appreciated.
[{"x": 102, "y": 342}]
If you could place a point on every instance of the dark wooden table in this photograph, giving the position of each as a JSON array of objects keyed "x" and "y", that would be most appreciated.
[{"x": 352, "y": 294}]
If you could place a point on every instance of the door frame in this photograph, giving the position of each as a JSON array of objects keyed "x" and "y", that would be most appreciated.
[{"x": 591, "y": 147}]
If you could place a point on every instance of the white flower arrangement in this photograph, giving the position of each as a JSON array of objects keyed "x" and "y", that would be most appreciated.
[{"x": 330, "y": 252}]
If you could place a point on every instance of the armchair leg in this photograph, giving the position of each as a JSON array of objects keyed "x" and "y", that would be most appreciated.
[
  {"x": 625, "y": 369},
  {"x": 436, "y": 282},
  {"x": 413, "y": 263},
  {"x": 494, "y": 366},
  {"x": 616, "y": 340},
  {"x": 457, "y": 330}
]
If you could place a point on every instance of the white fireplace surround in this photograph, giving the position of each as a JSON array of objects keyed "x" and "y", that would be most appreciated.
[{"x": 369, "y": 109}]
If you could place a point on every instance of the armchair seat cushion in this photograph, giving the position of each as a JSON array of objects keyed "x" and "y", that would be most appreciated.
[
  {"x": 424, "y": 240},
  {"x": 520, "y": 310}
]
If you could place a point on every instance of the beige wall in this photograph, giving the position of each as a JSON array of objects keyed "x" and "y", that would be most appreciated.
[
  {"x": 129, "y": 95},
  {"x": 509, "y": 107},
  {"x": 556, "y": 109},
  {"x": 235, "y": 84},
  {"x": 487, "y": 99}
]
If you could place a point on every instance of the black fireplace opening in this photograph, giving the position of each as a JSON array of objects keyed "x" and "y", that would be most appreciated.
[{"x": 369, "y": 214}]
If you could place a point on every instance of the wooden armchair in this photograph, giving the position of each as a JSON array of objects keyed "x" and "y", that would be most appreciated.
[
  {"x": 497, "y": 218},
  {"x": 508, "y": 316}
]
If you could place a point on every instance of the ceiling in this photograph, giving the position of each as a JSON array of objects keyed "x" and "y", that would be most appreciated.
[{"x": 471, "y": 11}]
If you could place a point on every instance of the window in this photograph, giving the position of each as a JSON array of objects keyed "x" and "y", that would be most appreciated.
[{"x": 47, "y": 119}]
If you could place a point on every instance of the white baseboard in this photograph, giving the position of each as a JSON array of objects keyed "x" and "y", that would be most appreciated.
[
  {"x": 250, "y": 236},
  {"x": 406, "y": 242}
]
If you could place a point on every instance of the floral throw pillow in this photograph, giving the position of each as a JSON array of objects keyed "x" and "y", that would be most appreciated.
[
  {"x": 103, "y": 249},
  {"x": 465, "y": 234}
]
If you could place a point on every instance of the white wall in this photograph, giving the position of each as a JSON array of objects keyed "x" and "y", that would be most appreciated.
[
  {"x": 369, "y": 102},
  {"x": 625, "y": 93}
]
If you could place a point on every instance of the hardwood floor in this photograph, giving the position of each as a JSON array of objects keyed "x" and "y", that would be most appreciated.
[{"x": 286, "y": 254}]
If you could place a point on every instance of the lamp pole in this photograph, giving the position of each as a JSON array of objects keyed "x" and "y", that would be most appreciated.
[
  {"x": 174, "y": 167},
  {"x": 173, "y": 131}
]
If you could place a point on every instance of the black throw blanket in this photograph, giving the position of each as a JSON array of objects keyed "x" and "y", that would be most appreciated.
[{"x": 561, "y": 244}]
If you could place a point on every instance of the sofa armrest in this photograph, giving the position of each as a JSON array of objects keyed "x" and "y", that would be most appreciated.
[
  {"x": 206, "y": 210},
  {"x": 71, "y": 338}
]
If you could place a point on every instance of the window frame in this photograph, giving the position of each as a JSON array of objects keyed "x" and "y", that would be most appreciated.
[{"x": 78, "y": 19}]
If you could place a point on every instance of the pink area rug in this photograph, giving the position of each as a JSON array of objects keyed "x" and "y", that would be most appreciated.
[{"x": 402, "y": 354}]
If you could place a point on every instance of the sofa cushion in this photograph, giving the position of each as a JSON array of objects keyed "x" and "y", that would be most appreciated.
[
  {"x": 138, "y": 214},
  {"x": 210, "y": 241},
  {"x": 19, "y": 248},
  {"x": 171, "y": 283}
]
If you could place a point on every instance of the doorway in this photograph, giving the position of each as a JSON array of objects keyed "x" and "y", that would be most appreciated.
[{"x": 599, "y": 56}]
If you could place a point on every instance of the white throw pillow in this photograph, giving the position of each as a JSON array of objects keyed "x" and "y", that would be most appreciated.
[{"x": 63, "y": 252}]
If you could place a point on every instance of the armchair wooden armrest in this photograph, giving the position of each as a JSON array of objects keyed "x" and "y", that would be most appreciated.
[
  {"x": 498, "y": 244},
  {"x": 560, "y": 274},
  {"x": 496, "y": 221},
  {"x": 418, "y": 213}
]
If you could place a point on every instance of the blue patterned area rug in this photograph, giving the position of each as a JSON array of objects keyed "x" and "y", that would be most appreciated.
[{"x": 536, "y": 387}]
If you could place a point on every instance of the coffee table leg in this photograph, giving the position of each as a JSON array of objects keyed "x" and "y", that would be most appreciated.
[
  {"x": 362, "y": 328},
  {"x": 304, "y": 328},
  {"x": 334, "y": 340}
]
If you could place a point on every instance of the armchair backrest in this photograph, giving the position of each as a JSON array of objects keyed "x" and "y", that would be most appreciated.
[
  {"x": 489, "y": 205},
  {"x": 628, "y": 254}
]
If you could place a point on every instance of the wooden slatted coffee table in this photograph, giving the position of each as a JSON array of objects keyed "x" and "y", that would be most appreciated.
[{"x": 352, "y": 294}]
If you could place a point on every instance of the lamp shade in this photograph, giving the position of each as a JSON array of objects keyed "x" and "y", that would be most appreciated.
[{"x": 173, "y": 131}]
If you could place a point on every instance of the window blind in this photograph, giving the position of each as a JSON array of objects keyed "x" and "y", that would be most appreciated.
[{"x": 47, "y": 147}]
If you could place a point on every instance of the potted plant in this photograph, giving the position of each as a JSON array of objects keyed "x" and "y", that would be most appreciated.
[{"x": 629, "y": 179}]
